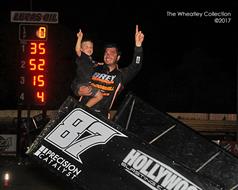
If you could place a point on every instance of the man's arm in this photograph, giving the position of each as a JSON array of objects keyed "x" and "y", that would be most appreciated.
[{"x": 130, "y": 72}]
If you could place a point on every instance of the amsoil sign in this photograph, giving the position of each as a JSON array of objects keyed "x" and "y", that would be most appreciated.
[{"x": 34, "y": 17}]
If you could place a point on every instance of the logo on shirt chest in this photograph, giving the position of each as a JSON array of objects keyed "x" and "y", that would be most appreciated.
[{"x": 105, "y": 78}]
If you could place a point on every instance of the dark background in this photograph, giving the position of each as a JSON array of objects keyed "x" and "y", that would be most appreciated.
[{"x": 190, "y": 63}]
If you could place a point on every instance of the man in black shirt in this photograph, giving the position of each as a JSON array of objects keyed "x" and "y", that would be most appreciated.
[{"x": 109, "y": 78}]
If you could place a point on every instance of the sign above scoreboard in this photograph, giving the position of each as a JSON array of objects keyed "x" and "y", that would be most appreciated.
[{"x": 34, "y": 17}]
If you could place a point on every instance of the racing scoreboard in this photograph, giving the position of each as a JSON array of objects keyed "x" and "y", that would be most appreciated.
[{"x": 33, "y": 55}]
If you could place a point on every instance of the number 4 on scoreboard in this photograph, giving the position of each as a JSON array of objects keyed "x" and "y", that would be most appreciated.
[{"x": 40, "y": 96}]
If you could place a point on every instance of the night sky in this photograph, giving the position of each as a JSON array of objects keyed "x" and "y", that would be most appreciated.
[{"x": 189, "y": 61}]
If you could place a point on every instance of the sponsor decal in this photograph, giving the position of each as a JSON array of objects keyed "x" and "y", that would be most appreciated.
[
  {"x": 75, "y": 134},
  {"x": 155, "y": 174},
  {"x": 34, "y": 17},
  {"x": 79, "y": 131},
  {"x": 4, "y": 144},
  {"x": 105, "y": 78},
  {"x": 57, "y": 162},
  {"x": 8, "y": 144}
]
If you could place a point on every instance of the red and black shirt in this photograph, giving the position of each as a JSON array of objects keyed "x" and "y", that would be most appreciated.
[{"x": 111, "y": 83}]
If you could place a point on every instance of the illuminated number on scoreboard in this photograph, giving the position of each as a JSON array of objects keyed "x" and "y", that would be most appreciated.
[
  {"x": 37, "y": 67},
  {"x": 41, "y": 32},
  {"x": 33, "y": 63},
  {"x": 32, "y": 32},
  {"x": 37, "y": 64}
]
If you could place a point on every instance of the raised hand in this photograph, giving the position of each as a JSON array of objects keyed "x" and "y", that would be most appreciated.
[
  {"x": 139, "y": 37},
  {"x": 78, "y": 43},
  {"x": 80, "y": 34}
]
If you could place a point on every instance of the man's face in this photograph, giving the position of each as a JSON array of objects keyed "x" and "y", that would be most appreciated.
[{"x": 110, "y": 56}]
